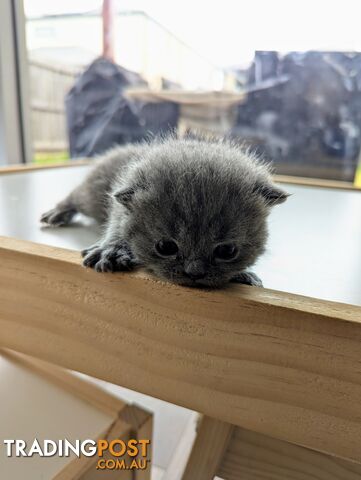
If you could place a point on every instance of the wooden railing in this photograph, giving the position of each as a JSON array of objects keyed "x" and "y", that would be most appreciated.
[{"x": 278, "y": 364}]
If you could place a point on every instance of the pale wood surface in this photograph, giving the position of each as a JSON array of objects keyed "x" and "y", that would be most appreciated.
[
  {"x": 212, "y": 440},
  {"x": 84, "y": 468},
  {"x": 251, "y": 456},
  {"x": 144, "y": 430},
  {"x": 29, "y": 167},
  {"x": 275, "y": 363},
  {"x": 303, "y": 181},
  {"x": 133, "y": 422},
  {"x": 316, "y": 182},
  {"x": 208, "y": 99}
]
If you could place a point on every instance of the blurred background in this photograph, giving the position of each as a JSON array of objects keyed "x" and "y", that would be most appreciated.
[{"x": 282, "y": 77}]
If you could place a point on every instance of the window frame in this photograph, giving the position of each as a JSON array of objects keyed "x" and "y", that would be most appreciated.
[{"x": 15, "y": 134}]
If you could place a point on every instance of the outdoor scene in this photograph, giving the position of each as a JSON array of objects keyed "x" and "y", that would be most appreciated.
[{"x": 111, "y": 72}]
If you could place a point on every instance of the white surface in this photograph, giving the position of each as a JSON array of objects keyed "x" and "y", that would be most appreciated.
[{"x": 314, "y": 246}]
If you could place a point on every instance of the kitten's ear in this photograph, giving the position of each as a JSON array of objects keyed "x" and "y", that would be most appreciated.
[
  {"x": 271, "y": 194},
  {"x": 125, "y": 196}
]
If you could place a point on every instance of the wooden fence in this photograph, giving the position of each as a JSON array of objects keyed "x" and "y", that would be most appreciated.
[{"x": 48, "y": 88}]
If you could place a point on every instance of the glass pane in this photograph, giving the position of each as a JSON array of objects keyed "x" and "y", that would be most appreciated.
[{"x": 279, "y": 76}]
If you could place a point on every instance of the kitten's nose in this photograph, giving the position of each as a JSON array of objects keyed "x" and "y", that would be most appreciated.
[{"x": 195, "y": 270}]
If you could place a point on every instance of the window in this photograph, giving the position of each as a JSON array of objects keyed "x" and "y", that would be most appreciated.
[{"x": 273, "y": 75}]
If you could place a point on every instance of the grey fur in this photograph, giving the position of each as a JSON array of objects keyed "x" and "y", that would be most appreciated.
[{"x": 197, "y": 193}]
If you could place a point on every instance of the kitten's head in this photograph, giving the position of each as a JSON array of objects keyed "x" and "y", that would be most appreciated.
[{"x": 195, "y": 211}]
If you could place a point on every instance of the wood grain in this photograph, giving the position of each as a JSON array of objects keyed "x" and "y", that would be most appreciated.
[
  {"x": 278, "y": 364},
  {"x": 212, "y": 440},
  {"x": 251, "y": 456}
]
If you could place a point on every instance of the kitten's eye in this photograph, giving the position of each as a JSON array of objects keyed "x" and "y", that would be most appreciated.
[
  {"x": 166, "y": 248},
  {"x": 225, "y": 251}
]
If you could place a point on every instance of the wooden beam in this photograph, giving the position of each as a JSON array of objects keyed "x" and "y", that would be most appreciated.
[
  {"x": 85, "y": 468},
  {"x": 251, "y": 456},
  {"x": 316, "y": 182},
  {"x": 278, "y": 364},
  {"x": 21, "y": 168},
  {"x": 212, "y": 440},
  {"x": 290, "y": 180}
]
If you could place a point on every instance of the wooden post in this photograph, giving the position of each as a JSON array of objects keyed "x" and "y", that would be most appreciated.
[
  {"x": 208, "y": 449},
  {"x": 108, "y": 29}
]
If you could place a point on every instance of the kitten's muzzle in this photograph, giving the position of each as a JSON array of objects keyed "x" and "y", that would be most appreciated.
[{"x": 195, "y": 270}]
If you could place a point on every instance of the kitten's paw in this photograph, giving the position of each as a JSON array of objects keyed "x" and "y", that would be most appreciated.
[
  {"x": 109, "y": 258},
  {"x": 247, "y": 278},
  {"x": 57, "y": 217}
]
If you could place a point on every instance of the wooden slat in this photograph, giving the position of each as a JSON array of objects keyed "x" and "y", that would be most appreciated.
[
  {"x": 279, "y": 364},
  {"x": 316, "y": 182},
  {"x": 288, "y": 179},
  {"x": 251, "y": 456},
  {"x": 21, "y": 168},
  {"x": 208, "y": 450},
  {"x": 84, "y": 468},
  {"x": 144, "y": 430}
]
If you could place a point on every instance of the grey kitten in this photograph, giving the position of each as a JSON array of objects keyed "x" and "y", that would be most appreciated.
[{"x": 191, "y": 211}]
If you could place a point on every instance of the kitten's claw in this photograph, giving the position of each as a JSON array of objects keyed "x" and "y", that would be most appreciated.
[
  {"x": 247, "y": 278},
  {"x": 109, "y": 258},
  {"x": 57, "y": 217}
]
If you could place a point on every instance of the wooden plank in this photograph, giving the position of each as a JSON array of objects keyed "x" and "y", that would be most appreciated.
[
  {"x": 316, "y": 182},
  {"x": 271, "y": 362},
  {"x": 303, "y": 181},
  {"x": 21, "y": 168},
  {"x": 210, "y": 98},
  {"x": 251, "y": 456},
  {"x": 144, "y": 430},
  {"x": 48, "y": 108},
  {"x": 66, "y": 70},
  {"x": 84, "y": 468},
  {"x": 208, "y": 450},
  {"x": 132, "y": 423}
]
